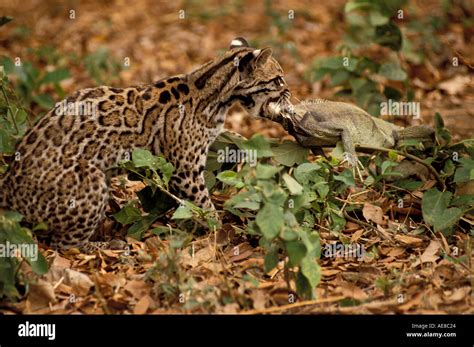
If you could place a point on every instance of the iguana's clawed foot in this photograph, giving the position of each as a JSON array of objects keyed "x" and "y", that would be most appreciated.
[
  {"x": 354, "y": 163},
  {"x": 357, "y": 168}
]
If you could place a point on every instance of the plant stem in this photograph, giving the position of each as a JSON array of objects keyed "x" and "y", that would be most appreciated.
[
  {"x": 9, "y": 108},
  {"x": 409, "y": 156}
]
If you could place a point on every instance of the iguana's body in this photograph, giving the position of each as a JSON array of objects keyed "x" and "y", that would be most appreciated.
[{"x": 324, "y": 123}]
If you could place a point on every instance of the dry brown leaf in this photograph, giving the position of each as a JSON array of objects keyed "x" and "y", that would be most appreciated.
[
  {"x": 409, "y": 240},
  {"x": 429, "y": 255},
  {"x": 356, "y": 236},
  {"x": 80, "y": 282},
  {"x": 111, "y": 279},
  {"x": 199, "y": 257},
  {"x": 230, "y": 308},
  {"x": 455, "y": 85},
  {"x": 111, "y": 253},
  {"x": 137, "y": 288},
  {"x": 259, "y": 299},
  {"x": 40, "y": 295},
  {"x": 242, "y": 256},
  {"x": 372, "y": 213},
  {"x": 329, "y": 272},
  {"x": 457, "y": 294},
  {"x": 60, "y": 262},
  {"x": 225, "y": 234},
  {"x": 352, "y": 291},
  {"x": 143, "y": 305}
]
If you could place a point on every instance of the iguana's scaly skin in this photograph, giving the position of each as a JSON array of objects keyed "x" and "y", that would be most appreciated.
[{"x": 324, "y": 123}]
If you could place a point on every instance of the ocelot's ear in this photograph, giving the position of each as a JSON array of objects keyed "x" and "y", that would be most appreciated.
[
  {"x": 238, "y": 42},
  {"x": 262, "y": 56},
  {"x": 254, "y": 59}
]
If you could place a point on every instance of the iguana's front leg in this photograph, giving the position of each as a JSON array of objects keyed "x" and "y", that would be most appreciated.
[{"x": 328, "y": 134}]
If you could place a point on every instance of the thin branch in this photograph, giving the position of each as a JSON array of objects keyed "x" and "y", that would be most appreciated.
[{"x": 406, "y": 155}]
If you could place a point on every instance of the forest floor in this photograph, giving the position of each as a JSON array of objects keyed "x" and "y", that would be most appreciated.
[{"x": 407, "y": 273}]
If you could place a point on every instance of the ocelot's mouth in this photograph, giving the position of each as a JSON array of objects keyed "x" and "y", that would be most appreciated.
[{"x": 279, "y": 107}]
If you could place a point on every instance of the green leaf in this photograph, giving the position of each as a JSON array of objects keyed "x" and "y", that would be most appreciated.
[
  {"x": 408, "y": 184},
  {"x": 138, "y": 228},
  {"x": 331, "y": 63},
  {"x": 303, "y": 287},
  {"x": 389, "y": 35},
  {"x": 210, "y": 179},
  {"x": 293, "y": 186},
  {"x": 386, "y": 165},
  {"x": 156, "y": 202},
  {"x": 435, "y": 209},
  {"x": 339, "y": 77},
  {"x": 311, "y": 270},
  {"x": 355, "y": 5},
  {"x": 296, "y": 252},
  {"x": 290, "y": 153},
  {"x": 231, "y": 178},
  {"x": 128, "y": 215},
  {"x": 265, "y": 171},
  {"x": 392, "y": 93},
  {"x": 347, "y": 177},
  {"x": 251, "y": 205},
  {"x": 44, "y": 100},
  {"x": 271, "y": 260},
  {"x": 304, "y": 173},
  {"x": 144, "y": 158},
  {"x": 270, "y": 220},
  {"x": 13, "y": 216},
  {"x": 376, "y": 18},
  {"x": 4, "y": 20},
  {"x": 38, "y": 265},
  {"x": 183, "y": 212},
  {"x": 40, "y": 227},
  {"x": 260, "y": 144},
  {"x": 465, "y": 172},
  {"x": 166, "y": 169},
  {"x": 393, "y": 71},
  {"x": 56, "y": 76}
]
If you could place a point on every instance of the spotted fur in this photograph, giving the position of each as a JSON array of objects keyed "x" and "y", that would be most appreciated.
[{"x": 60, "y": 178}]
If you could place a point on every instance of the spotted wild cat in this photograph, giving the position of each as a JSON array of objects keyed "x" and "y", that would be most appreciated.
[{"x": 60, "y": 178}]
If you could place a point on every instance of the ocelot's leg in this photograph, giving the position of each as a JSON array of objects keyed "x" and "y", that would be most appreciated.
[
  {"x": 84, "y": 197},
  {"x": 192, "y": 186}
]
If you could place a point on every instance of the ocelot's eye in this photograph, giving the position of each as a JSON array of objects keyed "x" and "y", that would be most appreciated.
[{"x": 279, "y": 82}]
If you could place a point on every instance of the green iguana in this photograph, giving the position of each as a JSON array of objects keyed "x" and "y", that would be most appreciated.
[{"x": 322, "y": 123}]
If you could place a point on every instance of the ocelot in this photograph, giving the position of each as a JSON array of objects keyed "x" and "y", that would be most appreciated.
[{"x": 60, "y": 177}]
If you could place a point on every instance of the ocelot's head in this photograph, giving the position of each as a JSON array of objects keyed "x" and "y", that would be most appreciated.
[{"x": 261, "y": 88}]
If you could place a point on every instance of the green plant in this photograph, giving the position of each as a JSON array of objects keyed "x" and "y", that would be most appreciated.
[
  {"x": 15, "y": 237},
  {"x": 359, "y": 76},
  {"x": 13, "y": 120},
  {"x": 102, "y": 68},
  {"x": 281, "y": 204},
  {"x": 155, "y": 199},
  {"x": 33, "y": 85}
]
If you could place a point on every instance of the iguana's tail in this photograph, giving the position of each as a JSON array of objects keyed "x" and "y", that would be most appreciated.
[{"x": 416, "y": 132}]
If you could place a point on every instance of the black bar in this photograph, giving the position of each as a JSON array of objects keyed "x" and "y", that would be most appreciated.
[{"x": 314, "y": 330}]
